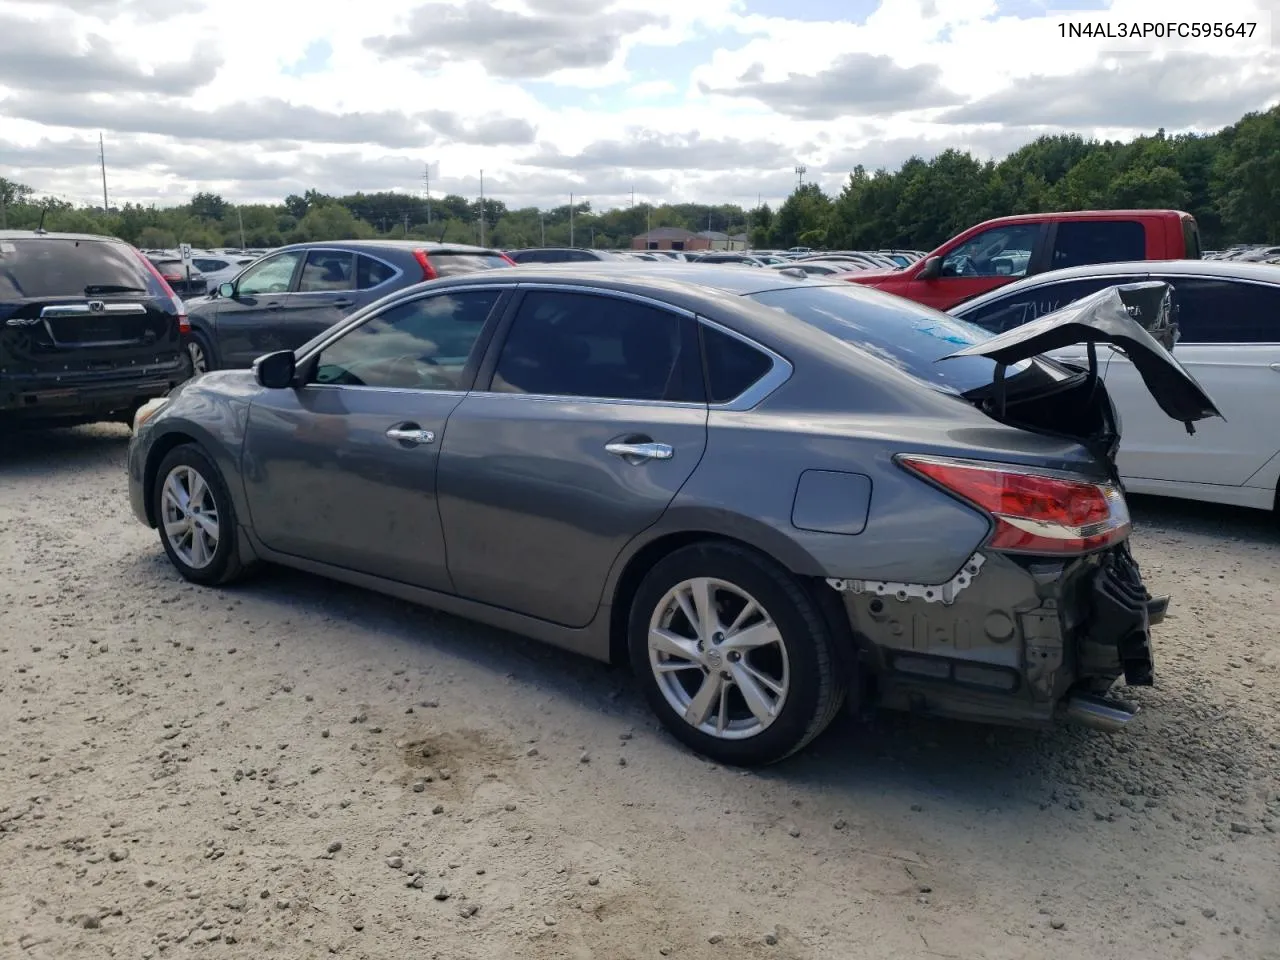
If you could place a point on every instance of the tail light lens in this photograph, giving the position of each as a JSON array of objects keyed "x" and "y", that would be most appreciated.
[
  {"x": 428, "y": 271},
  {"x": 1033, "y": 512},
  {"x": 178, "y": 307}
]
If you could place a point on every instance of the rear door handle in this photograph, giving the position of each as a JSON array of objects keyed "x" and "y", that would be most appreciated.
[
  {"x": 343, "y": 303},
  {"x": 410, "y": 434},
  {"x": 275, "y": 306},
  {"x": 640, "y": 451}
]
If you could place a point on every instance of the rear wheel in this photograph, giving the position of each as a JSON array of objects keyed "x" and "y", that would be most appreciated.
[
  {"x": 199, "y": 354},
  {"x": 196, "y": 519},
  {"x": 734, "y": 655}
]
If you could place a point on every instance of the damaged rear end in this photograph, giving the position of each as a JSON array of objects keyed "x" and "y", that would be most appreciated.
[{"x": 1051, "y": 610}]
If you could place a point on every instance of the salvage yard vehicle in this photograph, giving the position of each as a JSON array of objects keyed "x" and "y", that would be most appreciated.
[
  {"x": 998, "y": 252},
  {"x": 89, "y": 330},
  {"x": 1228, "y": 319},
  {"x": 761, "y": 490}
]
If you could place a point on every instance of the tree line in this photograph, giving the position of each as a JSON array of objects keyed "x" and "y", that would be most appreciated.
[{"x": 1230, "y": 181}]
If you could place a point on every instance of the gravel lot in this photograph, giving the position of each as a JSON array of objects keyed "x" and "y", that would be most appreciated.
[{"x": 296, "y": 769}]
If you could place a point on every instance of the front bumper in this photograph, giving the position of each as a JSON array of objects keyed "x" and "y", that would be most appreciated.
[
  {"x": 136, "y": 463},
  {"x": 1011, "y": 640}
]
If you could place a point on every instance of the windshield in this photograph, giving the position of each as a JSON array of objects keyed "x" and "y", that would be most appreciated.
[{"x": 910, "y": 337}]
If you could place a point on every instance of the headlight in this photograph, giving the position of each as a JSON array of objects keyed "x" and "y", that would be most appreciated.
[{"x": 147, "y": 411}]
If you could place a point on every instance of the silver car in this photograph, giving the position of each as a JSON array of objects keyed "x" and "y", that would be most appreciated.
[{"x": 763, "y": 491}]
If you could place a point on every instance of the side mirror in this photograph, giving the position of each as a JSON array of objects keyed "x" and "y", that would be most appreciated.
[
  {"x": 931, "y": 270},
  {"x": 275, "y": 371},
  {"x": 227, "y": 290}
]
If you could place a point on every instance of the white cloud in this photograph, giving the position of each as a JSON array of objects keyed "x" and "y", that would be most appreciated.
[{"x": 546, "y": 95}]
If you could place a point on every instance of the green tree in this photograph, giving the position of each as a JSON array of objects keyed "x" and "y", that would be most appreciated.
[
  {"x": 804, "y": 214},
  {"x": 208, "y": 206},
  {"x": 331, "y": 222}
]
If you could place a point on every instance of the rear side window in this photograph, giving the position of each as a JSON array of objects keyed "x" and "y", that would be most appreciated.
[
  {"x": 906, "y": 335},
  {"x": 1191, "y": 239},
  {"x": 1013, "y": 308},
  {"x": 1225, "y": 311},
  {"x": 328, "y": 270},
  {"x": 205, "y": 265},
  {"x": 1081, "y": 242},
  {"x": 370, "y": 272},
  {"x": 585, "y": 345},
  {"x": 451, "y": 264},
  {"x": 732, "y": 365},
  {"x": 42, "y": 267}
]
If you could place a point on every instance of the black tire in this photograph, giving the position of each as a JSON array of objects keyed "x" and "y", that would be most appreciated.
[
  {"x": 198, "y": 341},
  {"x": 225, "y": 564},
  {"x": 817, "y": 683}
]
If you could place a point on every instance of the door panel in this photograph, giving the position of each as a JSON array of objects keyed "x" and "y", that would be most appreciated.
[
  {"x": 247, "y": 324},
  {"x": 326, "y": 294},
  {"x": 535, "y": 506},
  {"x": 535, "y": 510},
  {"x": 1237, "y": 378},
  {"x": 1230, "y": 336},
  {"x": 343, "y": 470},
  {"x": 325, "y": 482},
  {"x": 981, "y": 263}
]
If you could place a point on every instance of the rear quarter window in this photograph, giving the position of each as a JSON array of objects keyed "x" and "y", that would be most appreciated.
[
  {"x": 40, "y": 267},
  {"x": 452, "y": 264}
]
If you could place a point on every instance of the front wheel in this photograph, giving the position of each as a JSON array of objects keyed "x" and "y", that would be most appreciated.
[
  {"x": 734, "y": 655},
  {"x": 195, "y": 517}
]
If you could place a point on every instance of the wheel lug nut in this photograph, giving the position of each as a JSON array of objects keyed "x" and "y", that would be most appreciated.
[{"x": 718, "y": 638}]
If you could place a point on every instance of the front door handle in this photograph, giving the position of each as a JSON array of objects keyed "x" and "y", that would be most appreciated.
[
  {"x": 1276, "y": 367},
  {"x": 640, "y": 451},
  {"x": 410, "y": 434},
  {"x": 275, "y": 306}
]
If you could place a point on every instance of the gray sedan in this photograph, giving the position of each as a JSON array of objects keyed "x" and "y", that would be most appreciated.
[{"x": 763, "y": 491}]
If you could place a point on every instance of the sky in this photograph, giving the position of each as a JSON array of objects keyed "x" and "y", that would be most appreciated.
[{"x": 713, "y": 101}]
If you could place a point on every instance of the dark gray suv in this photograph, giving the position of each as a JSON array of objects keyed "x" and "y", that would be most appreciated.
[{"x": 296, "y": 292}]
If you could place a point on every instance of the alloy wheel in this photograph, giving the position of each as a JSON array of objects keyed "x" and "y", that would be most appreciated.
[
  {"x": 719, "y": 659},
  {"x": 190, "y": 516},
  {"x": 199, "y": 362}
]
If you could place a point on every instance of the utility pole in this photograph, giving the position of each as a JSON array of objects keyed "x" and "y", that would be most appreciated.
[
  {"x": 240, "y": 220},
  {"x": 4, "y": 218},
  {"x": 482, "y": 208},
  {"x": 406, "y": 226},
  {"x": 801, "y": 170},
  {"x": 571, "y": 219},
  {"x": 633, "y": 195},
  {"x": 102, "y": 159},
  {"x": 648, "y": 220},
  {"x": 542, "y": 223},
  {"x": 426, "y": 187}
]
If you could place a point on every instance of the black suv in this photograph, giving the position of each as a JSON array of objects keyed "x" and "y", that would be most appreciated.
[
  {"x": 296, "y": 292},
  {"x": 89, "y": 330}
]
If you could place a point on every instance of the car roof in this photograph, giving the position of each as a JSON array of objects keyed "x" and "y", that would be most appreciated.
[
  {"x": 50, "y": 235},
  {"x": 688, "y": 279},
  {"x": 1224, "y": 269},
  {"x": 429, "y": 246}
]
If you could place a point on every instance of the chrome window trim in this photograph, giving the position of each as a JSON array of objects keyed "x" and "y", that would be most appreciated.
[{"x": 355, "y": 271}]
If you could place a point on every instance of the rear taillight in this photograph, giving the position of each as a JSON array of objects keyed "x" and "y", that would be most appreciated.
[
  {"x": 1034, "y": 512},
  {"x": 175, "y": 304},
  {"x": 428, "y": 271}
]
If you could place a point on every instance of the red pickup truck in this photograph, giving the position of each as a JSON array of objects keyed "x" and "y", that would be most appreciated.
[{"x": 1006, "y": 249}]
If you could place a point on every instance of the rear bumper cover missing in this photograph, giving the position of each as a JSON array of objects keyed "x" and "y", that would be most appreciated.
[{"x": 1008, "y": 640}]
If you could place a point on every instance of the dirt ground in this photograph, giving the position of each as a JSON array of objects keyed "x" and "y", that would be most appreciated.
[{"x": 296, "y": 769}]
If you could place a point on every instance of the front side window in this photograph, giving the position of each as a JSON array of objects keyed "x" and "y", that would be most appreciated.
[
  {"x": 584, "y": 345},
  {"x": 998, "y": 252},
  {"x": 1212, "y": 310},
  {"x": 423, "y": 344},
  {"x": 328, "y": 270},
  {"x": 1013, "y": 308},
  {"x": 269, "y": 276},
  {"x": 1082, "y": 242}
]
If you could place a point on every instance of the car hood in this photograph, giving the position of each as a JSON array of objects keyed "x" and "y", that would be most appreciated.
[
  {"x": 871, "y": 277},
  {"x": 1132, "y": 317}
]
